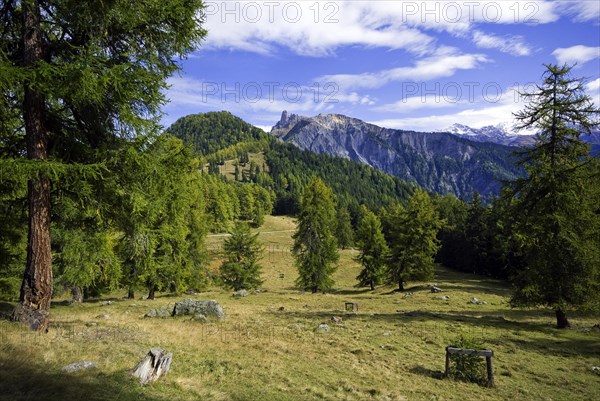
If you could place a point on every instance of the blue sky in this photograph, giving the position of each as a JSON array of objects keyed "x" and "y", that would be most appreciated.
[{"x": 420, "y": 65}]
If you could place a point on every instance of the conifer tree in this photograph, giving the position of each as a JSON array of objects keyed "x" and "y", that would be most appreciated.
[
  {"x": 240, "y": 269},
  {"x": 373, "y": 249},
  {"x": 345, "y": 234},
  {"x": 315, "y": 246},
  {"x": 413, "y": 240},
  {"x": 81, "y": 77},
  {"x": 558, "y": 221}
]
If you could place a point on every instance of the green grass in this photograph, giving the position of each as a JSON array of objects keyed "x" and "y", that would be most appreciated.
[{"x": 260, "y": 352}]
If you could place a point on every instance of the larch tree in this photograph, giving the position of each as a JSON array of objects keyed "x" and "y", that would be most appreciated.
[
  {"x": 344, "y": 231},
  {"x": 373, "y": 249},
  {"x": 315, "y": 244},
  {"x": 557, "y": 202},
  {"x": 81, "y": 76},
  {"x": 240, "y": 269},
  {"x": 413, "y": 240}
]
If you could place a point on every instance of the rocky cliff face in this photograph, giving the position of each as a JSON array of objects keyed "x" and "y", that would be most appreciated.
[{"x": 440, "y": 162}]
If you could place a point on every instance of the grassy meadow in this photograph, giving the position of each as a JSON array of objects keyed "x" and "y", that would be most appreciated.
[{"x": 267, "y": 348}]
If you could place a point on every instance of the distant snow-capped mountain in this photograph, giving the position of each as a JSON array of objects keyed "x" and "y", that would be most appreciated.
[{"x": 503, "y": 133}]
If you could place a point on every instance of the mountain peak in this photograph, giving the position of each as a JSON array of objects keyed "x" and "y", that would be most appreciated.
[{"x": 286, "y": 123}]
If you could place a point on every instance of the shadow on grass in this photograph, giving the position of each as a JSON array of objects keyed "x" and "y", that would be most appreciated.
[
  {"x": 24, "y": 378},
  {"x": 423, "y": 371}
]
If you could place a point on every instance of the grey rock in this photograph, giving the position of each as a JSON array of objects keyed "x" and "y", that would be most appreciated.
[
  {"x": 443, "y": 297},
  {"x": 200, "y": 318},
  {"x": 336, "y": 319},
  {"x": 240, "y": 294},
  {"x": 103, "y": 316},
  {"x": 165, "y": 312},
  {"x": 208, "y": 308},
  {"x": 74, "y": 367},
  {"x": 91, "y": 324},
  {"x": 323, "y": 328},
  {"x": 106, "y": 303},
  {"x": 435, "y": 289},
  {"x": 477, "y": 301}
]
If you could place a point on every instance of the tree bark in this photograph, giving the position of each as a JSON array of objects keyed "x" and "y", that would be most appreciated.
[
  {"x": 77, "y": 294},
  {"x": 372, "y": 286},
  {"x": 561, "y": 320},
  {"x": 36, "y": 289},
  {"x": 151, "y": 292},
  {"x": 130, "y": 294},
  {"x": 401, "y": 285}
]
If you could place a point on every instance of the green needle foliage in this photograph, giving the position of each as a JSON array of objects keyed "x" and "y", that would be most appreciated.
[
  {"x": 78, "y": 80},
  {"x": 241, "y": 270},
  {"x": 373, "y": 249},
  {"x": 412, "y": 236},
  {"x": 558, "y": 223},
  {"x": 315, "y": 244},
  {"x": 344, "y": 232}
]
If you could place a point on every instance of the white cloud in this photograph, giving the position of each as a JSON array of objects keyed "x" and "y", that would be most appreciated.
[
  {"x": 445, "y": 64},
  {"x": 318, "y": 28},
  {"x": 593, "y": 90},
  {"x": 580, "y": 10},
  {"x": 510, "y": 44},
  {"x": 479, "y": 113},
  {"x": 576, "y": 54}
]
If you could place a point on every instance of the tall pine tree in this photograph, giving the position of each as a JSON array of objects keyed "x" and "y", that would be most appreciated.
[
  {"x": 557, "y": 204},
  {"x": 315, "y": 245},
  {"x": 373, "y": 249},
  {"x": 81, "y": 76},
  {"x": 413, "y": 240}
]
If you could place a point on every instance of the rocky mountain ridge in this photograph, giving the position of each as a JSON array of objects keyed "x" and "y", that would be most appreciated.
[{"x": 440, "y": 162}]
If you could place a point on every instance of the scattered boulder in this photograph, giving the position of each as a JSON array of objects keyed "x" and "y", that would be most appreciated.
[
  {"x": 103, "y": 316},
  {"x": 336, "y": 319},
  {"x": 387, "y": 334},
  {"x": 435, "y": 289},
  {"x": 191, "y": 292},
  {"x": 240, "y": 293},
  {"x": 154, "y": 365},
  {"x": 91, "y": 324},
  {"x": 408, "y": 294},
  {"x": 281, "y": 308},
  {"x": 195, "y": 306},
  {"x": 160, "y": 312},
  {"x": 323, "y": 328},
  {"x": 442, "y": 297},
  {"x": 476, "y": 301},
  {"x": 74, "y": 367},
  {"x": 106, "y": 303},
  {"x": 200, "y": 318}
]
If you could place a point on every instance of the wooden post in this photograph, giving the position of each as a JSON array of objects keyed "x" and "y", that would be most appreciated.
[{"x": 490, "y": 372}]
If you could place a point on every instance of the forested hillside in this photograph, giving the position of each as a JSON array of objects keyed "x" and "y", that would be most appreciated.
[{"x": 220, "y": 136}]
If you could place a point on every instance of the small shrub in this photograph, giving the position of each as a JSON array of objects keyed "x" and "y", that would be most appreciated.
[{"x": 468, "y": 367}]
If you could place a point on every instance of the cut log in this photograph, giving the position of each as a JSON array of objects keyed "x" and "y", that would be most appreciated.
[{"x": 154, "y": 365}]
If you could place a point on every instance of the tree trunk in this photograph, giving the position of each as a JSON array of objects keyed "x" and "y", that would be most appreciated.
[
  {"x": 372, "y": 286},
  {"x": 130, "y": 294},
  {"x": 151, "y": 292},
  {"x": 401, "y": 285},
  {"x": 36, "y": 289},
  {"x": 315, "y": 289},
  {"x": 561, "y": 320},
  {"x": 77, "y": 294}
]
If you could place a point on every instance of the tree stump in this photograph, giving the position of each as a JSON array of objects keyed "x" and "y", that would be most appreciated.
[{"x": 156, "y": 364}]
